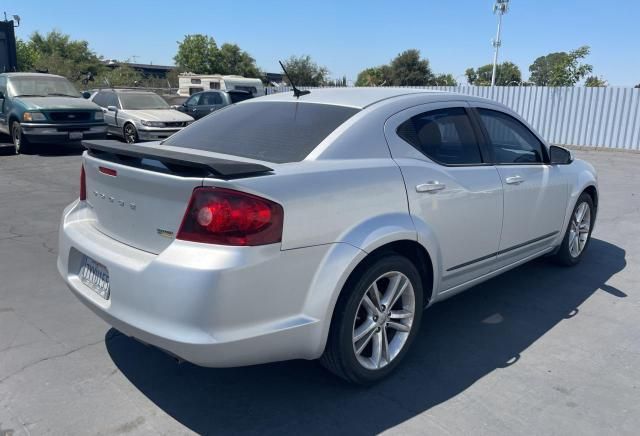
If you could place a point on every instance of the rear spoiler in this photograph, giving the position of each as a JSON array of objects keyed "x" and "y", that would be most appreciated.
[{"x": 180, "y": 161}]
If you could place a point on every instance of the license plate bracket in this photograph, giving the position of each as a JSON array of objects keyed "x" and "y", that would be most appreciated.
[
  {"x": 95, "y": 276},
  {"x": 75, "y": 135}
]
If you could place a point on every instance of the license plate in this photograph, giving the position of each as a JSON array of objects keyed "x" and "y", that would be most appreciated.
[
  {"x": 95, "y": 276},
  {"x": 75, "y": 135}
]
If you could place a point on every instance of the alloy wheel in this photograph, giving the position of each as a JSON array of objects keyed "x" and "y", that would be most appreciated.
[
  {"x": 383, "y": 320},
  {"x": 130, "y": 135},
  {"x": 580, "y": 228}
]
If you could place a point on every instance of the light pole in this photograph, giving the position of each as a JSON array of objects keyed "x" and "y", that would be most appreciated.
[{"x": 499, "y": 8}]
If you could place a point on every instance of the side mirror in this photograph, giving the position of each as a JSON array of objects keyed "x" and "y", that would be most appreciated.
[
  {"x": 560, "y": 155},
  {"x": 86, "y": 95},
  {"x": 112, "y": 109}
]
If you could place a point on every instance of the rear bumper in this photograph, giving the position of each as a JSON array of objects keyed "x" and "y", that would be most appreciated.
[
  {"x": 210, "y": 305},
  {"x": 54, "y": 133}
]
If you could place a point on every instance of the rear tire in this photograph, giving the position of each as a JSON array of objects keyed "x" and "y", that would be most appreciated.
[
  {"x": 578, "y": 235},
  {"x": 370, "y": 336}
]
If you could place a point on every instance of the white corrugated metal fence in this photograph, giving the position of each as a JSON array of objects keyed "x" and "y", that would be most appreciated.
[{"x": 594, "y": 117}]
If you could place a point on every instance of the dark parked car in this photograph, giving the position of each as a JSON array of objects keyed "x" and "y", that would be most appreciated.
[
  {"x": 203, "y": 103},
  {"x": 38, "y": 108}
]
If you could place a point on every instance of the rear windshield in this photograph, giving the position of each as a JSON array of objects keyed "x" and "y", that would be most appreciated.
[{"x": 271, "y": 131}]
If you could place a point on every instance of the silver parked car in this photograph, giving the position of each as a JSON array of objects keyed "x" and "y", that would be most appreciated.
[
  {"x": 137, "y": 115},
  {"x": 320, "y": 227}
]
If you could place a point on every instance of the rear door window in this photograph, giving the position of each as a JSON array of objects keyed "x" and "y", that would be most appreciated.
[
  {"x": 443, "y": 135},
  {"x": 271, "y": 131},
  {"x": 210, "y": 99}
]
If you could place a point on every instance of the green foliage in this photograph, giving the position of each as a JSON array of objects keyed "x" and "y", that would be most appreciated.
[
  {"x": 27, "y": 55},
  {"x": 120, "y": 76},
  {"x": 595, "y": 82},
  {"x": 57, "y": 53},
  {"x": 445, "y": 80},
  {"x": 198, "y": 54},
  {"x": 233, "y": 60},
  {"x": 507, "y": 74},
  {"x": 472, "y": 76},
  {"x": 561, "y": 68},
  {"x": 341, "y": 82},
  {"x": 374, "y": 76},
  {"x": 305, "y": 72},
  {"x": 408, "y": 69}
]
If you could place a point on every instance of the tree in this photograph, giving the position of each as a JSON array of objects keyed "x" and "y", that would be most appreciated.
[
  {"x": 595, "y": 82},
  {"x": 637, "y": 86},
  {"x": 472, "y": 76},
  {"x": 560, "y": 68},
  {"x": 27, "y": 55},
  {"x": 445, "y": 80},
  {"x": 198, "y": 54},
  {"x": 374, "y": 76},
  {"x": 408, "y": 69},
  {"x": 507, "y": 74},
  {"x": 234, "y": 60},
  {"x": 57, "y": 53},
  {"x": 305, "y": 72},
  {"x": 120, "y": 76}
]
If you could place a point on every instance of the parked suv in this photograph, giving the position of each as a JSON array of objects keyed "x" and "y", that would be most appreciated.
[
  {"x": 203, "y": 103},
  {"x": 137, "y": 115},
  {"x": 38, "y": 108}
]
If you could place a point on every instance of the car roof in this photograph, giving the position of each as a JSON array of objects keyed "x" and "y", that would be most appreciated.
[
  {"x": 358, "y": 97},
  {"x": 128, "y": 91},
  {"x": 31, "y": 75}
]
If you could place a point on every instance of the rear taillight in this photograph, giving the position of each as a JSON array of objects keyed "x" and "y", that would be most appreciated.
[
  {"x": 83, "y": 185},
  {"x": 227, "y": 217}
]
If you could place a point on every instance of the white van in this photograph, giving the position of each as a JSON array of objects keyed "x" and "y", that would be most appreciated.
[{"x": 189, "y": 84}]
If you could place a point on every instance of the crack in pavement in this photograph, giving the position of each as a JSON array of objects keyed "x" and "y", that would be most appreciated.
[{"x": 56, "y": 356}]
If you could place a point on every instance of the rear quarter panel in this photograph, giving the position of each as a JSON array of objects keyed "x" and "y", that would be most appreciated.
[{"x": 351, "y": 201}]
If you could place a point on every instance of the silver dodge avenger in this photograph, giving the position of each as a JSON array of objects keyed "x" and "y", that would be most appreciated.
[{"x": 317, "y": 226}]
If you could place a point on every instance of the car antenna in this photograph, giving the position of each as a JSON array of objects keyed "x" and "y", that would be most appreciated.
[{"x": 296, "y": 92}]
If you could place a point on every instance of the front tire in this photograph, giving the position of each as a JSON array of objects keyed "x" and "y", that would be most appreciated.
[
  {"x": 130, "y": 133},
  {"x": 578, "y": 234},
  {"x": 375, "y": 320},
  {"x": 20, "y": 144}
]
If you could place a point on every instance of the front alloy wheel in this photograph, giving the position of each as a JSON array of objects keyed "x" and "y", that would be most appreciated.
[
  {"x": 579, "y": 229},
  {"x": 130, "y": 134},
  {"x": 578, "y": 234},
  {"x": 375, "y": 319}
]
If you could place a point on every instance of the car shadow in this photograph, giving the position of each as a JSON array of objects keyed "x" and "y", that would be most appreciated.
[{"x": 462, "y": 340}]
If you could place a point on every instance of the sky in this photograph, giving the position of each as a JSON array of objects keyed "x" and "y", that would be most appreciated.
[{"x": 348, "y": 36}]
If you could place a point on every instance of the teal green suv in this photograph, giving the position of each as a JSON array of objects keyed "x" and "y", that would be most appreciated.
[{"x": 38, "y": 108}]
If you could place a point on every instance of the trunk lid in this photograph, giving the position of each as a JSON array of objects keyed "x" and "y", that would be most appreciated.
[{"x": 139, "y": 207}]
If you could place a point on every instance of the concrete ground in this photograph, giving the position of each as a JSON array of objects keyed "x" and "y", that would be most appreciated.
[{"x": 539, "y": 350}]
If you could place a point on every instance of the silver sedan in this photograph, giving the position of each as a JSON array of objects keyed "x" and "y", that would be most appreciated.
[
  {"x": 317, "y": 227},
  {"x": 137, "y": 115}
]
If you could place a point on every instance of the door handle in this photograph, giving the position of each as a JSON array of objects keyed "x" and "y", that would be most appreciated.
[
  {"x": 514, "y": 180},
  {"x": 430, "y": 187}
]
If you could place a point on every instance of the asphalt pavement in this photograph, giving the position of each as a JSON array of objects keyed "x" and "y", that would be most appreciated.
[{"x": 539, "y": 350}]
